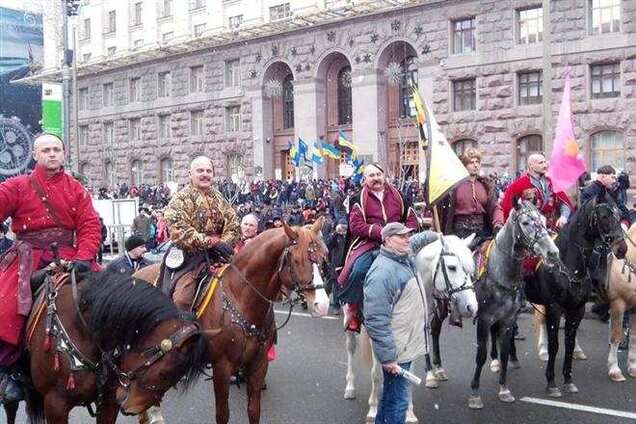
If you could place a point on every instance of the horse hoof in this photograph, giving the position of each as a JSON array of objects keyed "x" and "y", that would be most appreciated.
[
  {"x": 154, "y": 415},
  {"x": 506, "y": 396},
  {"x": 544, "y": 356},
  {"x": 474, "y": 402},
  {"x": 554, "y": 392},
  {"x": 570, "y": 388},
  {"x": 350, "y": 394},
  {"x": 371, "y": 415},
  {"x": 440, "y": 374},
  {"x": 495, "y": 365},
  {"x": 411, "y": 418},
  {"x": 515, "y": 364},
  {"x": 616, "y": 376},
  {"x": 431, "y": 381},
  {"x": 579, "y": 355}
]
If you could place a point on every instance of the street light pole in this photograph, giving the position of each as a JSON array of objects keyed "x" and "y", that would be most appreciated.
[{"x": 69, "y": 8}]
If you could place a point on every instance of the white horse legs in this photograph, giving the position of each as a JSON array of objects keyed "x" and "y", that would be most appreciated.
[
  {"x": 376, "y": 383},
  {"x": 351, "y": 343},
  {"x": 631, "y": 357}
]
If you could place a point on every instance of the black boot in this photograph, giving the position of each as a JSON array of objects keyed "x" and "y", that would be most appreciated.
[{"x": 10, "y": 388}]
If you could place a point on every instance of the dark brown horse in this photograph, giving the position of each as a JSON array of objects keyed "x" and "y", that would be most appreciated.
[
  {"x": 114, "y": 341},
  {"x": 278, "y": 262}
]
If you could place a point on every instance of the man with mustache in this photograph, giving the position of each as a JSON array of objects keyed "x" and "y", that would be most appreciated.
[
  {"x": 375, "y": 206},
  {"x": 199, "y": 218},
  {"x": 47, "y": 206}
]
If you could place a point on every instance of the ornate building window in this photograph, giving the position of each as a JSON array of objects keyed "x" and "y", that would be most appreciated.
[
  {"x": 137, "y": 172},
  {"x": 607, "y": 148},
  {"x": 288, "y": 102},
  {"x": 606, "y": 80},
  {"x": 606, "y": 16},
  {"x": 409, "y": 77},
  {"x": 344, "y": 96},
  {"x": 530, "y": 88},
  {"x": 166, "y": 170},
  {"x": 527, "y": 146},
  {"x": 464, "y": 95},
  {"x": 464, "y": 36}
]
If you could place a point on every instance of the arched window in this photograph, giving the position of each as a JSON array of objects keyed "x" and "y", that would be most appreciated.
[
  {"x": 607, "y": 148},
  {"x": 409, "y": 77},
  {"x": 166, "y": 170},
  {"x": 137, "y": 172},
  {"x": 344, "y": 96},
  {"x": 109, "y": 175},
  {"x": 527, "y": 146},
  {"x": 288, "y": 102},
  {"x": 460, "y": 146}
]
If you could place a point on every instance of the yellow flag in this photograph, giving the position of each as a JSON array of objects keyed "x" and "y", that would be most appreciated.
[
  {"x": 420, "y": 116},
  {"x": 445, "y": 170}
]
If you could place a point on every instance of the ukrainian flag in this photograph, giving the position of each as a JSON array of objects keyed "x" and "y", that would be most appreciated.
[
  {"x": 294, "y": 155},
  {"x": 316, "y": 155},
  {"x": 331, "y": 151},
  {"x": 342, "y": 141}
]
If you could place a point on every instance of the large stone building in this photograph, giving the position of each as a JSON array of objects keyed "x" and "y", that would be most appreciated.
[{"x": 239, "y": 80}]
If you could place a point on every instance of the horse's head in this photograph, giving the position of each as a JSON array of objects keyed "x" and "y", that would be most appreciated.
[
  {"x": 299, "y": 267},
  {"x": 448, "y": 263},
  {"x": 529, "y": 232},
  {"x": 604, "y": 226},
  {"x": 174, "y": 349}
]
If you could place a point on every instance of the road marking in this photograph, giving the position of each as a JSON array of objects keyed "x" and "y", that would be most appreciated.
[
  {"x": 303, "y": 314},
  {"x": 582, "y": 408}
]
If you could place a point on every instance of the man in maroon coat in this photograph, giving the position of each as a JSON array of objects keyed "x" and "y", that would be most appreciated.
[
  {"x": 46, "y": 206},
  {"x": 535, "y": 185},
  {"x": 377, "y": 204}
]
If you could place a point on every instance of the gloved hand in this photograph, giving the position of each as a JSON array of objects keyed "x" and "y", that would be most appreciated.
[
  {"x": 224, "y": 250},
  {"x": 82, "y": 267}
]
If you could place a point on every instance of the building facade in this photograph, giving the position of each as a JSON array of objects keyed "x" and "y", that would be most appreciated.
[{"x": 240, "y": 90}]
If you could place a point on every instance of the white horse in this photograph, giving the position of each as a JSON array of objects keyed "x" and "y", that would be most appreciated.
[{"x": 445, "y": 268}]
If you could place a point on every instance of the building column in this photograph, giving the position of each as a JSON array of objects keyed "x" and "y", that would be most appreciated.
[
  {"x": 369, "y": 134},
  {"x": 310, "y": 116},
  {"x": 263, "y": 137}
]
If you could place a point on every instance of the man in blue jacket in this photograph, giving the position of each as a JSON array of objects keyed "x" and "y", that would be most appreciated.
[
  {"x": 132, "y": 259},
  {"x": 394, "y": 314}
]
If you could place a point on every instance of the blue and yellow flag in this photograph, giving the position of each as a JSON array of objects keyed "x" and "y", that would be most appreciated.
[
  {"x": 343, "y": 142},
  {"x": 331, "y": 151},
  {"x": 294, "y": 155},
  {"x": 316, "y": 155},
  {"x": 302, "y": 147}
]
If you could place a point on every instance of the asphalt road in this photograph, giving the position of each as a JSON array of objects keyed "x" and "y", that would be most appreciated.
[{"x": 306, "y": 384}]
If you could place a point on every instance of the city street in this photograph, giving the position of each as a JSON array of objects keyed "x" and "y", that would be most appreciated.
[{"x": 306, "y": 384}]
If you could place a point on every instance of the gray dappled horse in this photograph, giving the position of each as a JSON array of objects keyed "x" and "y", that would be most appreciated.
[
  {"x": 499, "y": 289},
  {"x": 445, "y": 269}
]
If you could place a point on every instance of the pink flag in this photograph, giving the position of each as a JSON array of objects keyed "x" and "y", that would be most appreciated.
[{"x": 567, "y": 163}]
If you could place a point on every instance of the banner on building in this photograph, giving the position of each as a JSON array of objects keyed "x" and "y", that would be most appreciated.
[{"x": 52, "y": 113}]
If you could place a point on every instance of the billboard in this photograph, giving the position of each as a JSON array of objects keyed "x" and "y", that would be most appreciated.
[{"x": 21, "y": 47}]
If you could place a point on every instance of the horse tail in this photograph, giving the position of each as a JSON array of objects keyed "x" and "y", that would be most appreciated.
[
  {"x": 366, "y": 351},
  {"x": 35, "y": 406}
]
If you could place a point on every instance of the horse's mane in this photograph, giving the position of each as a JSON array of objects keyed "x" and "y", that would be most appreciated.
[
  {"x": 431, "y": 250},
  {"x": 123, "y": 310}
]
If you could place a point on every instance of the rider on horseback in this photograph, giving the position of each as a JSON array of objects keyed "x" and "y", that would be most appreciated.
[
  {"x": 47, "y": 206},
  {"x": 199, "y": 219},
  {"x": 472, "y": 206},
  {"x": 535, "y": 185},
  {"x": 376, "y": 205}
]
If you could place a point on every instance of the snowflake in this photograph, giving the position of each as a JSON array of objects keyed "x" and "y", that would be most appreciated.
[
  {"x": 393, "y": 73},
  {"x": 345, "y": 80}
]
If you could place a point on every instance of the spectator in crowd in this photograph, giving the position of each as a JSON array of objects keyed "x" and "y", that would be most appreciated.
[
  {"x": 141, "y": 224},
  {"x": 249, "y": 230},
  {"x": 132, "y": 259},
  {"x": 5, "y": 242},
  {"x": 335, "y": 242},
  {"x": 104, "y": 232}
]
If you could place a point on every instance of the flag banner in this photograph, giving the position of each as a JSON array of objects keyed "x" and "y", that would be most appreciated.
[
  {"x": 420, "y": 116},
  {"x": 294, "y": 155},
  {"x": 344, "y": 142},
  {"x": 331, "y": 151},
  {"x": 445, "y": 170},
  {"x": 316, "y": 155},
  {"x": 302, "y": 147},
  {"x": 566, "y": 163}
]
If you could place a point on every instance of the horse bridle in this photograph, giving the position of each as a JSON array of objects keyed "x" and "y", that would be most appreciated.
[
  {"x": 298, "y": 289},
  {"x": 522, "y": 238},
  {"x": 450, "y": 291},
  {"x": 607, "y": 238}
]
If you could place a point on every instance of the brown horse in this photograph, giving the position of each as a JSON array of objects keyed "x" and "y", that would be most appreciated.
[
  {"x": 278, "y": 262},
  {"x": 621, "y": 293},
  {"x": 111, "y": 340}
]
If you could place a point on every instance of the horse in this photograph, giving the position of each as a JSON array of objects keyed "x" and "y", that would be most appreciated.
[
  {"x": 445, "y": 268},
  {"x": 108, "y": 339},
  {"x": 282, "y": 261},
  {"x": 584, "y": 243},
  {"x": 622, "y": 297},
  {"x": 499, "y": 288}
]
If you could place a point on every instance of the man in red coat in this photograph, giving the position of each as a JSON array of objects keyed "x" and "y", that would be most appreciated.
[
  {"x": 46, "y": 206},
  {"x": 534, "y": 184},
  {"x": 377, "y": 204}
]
